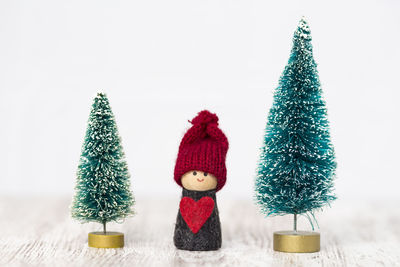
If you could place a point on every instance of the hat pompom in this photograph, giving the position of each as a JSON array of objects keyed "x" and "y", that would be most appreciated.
[{"x": 205, "y": 117}]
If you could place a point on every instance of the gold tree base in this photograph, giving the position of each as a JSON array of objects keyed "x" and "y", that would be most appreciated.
[
  {"x": 296, "y": 241},
  {"x": 107, "y": 240}
]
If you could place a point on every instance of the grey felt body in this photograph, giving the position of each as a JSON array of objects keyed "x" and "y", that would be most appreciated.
[{"x": 209, "y": 235}]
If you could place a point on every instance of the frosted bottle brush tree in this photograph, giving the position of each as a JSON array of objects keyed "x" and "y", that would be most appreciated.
[
  {"x": 103, "y": 181},
  {"x": 297, "y": 163}
]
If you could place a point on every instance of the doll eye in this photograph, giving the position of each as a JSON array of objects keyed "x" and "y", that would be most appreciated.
[
  {"x": 194, "y": 173},
  {"x": 205, "y": 174}
]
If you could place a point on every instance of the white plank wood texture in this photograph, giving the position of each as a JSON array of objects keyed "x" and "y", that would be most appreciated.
[{"x": 39, "y": 232}]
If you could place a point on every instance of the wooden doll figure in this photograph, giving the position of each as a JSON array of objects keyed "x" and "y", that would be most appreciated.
[{"x": 200, "y": 171}]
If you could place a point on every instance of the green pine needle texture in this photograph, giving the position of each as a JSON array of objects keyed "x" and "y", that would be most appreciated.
[
  {"x": 102, "y": 191},
  {"x": 297, "y": 163}
]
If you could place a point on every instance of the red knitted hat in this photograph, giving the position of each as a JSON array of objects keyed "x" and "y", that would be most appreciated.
[{"x": 203, "y": 148}]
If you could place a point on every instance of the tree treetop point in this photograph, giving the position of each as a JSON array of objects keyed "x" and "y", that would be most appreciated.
[
  {"x": 303, "y": 30},
  {"x": 101, "y": 94}
]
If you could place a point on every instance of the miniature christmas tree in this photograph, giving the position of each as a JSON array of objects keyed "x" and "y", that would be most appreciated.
[
  {"x": 103, "y": 187},
  {"x": 297, "y": 162}
]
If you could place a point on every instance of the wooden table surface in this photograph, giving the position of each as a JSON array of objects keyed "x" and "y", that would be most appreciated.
[{"x": 38, "y": 231}]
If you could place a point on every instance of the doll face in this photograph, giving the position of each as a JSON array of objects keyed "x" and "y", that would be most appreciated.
[{"x": 198, "y": 181}]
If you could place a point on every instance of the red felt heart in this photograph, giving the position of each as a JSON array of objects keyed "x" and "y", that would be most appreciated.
[{"x": 195, "y": 213}]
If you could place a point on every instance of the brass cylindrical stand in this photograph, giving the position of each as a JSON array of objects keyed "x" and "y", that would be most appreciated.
[
  {"x": 107, "y": 240},
  {"x": 296, "y": 241}
]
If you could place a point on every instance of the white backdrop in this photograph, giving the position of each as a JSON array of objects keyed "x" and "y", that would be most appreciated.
[{"x": 160, "y": 62}]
